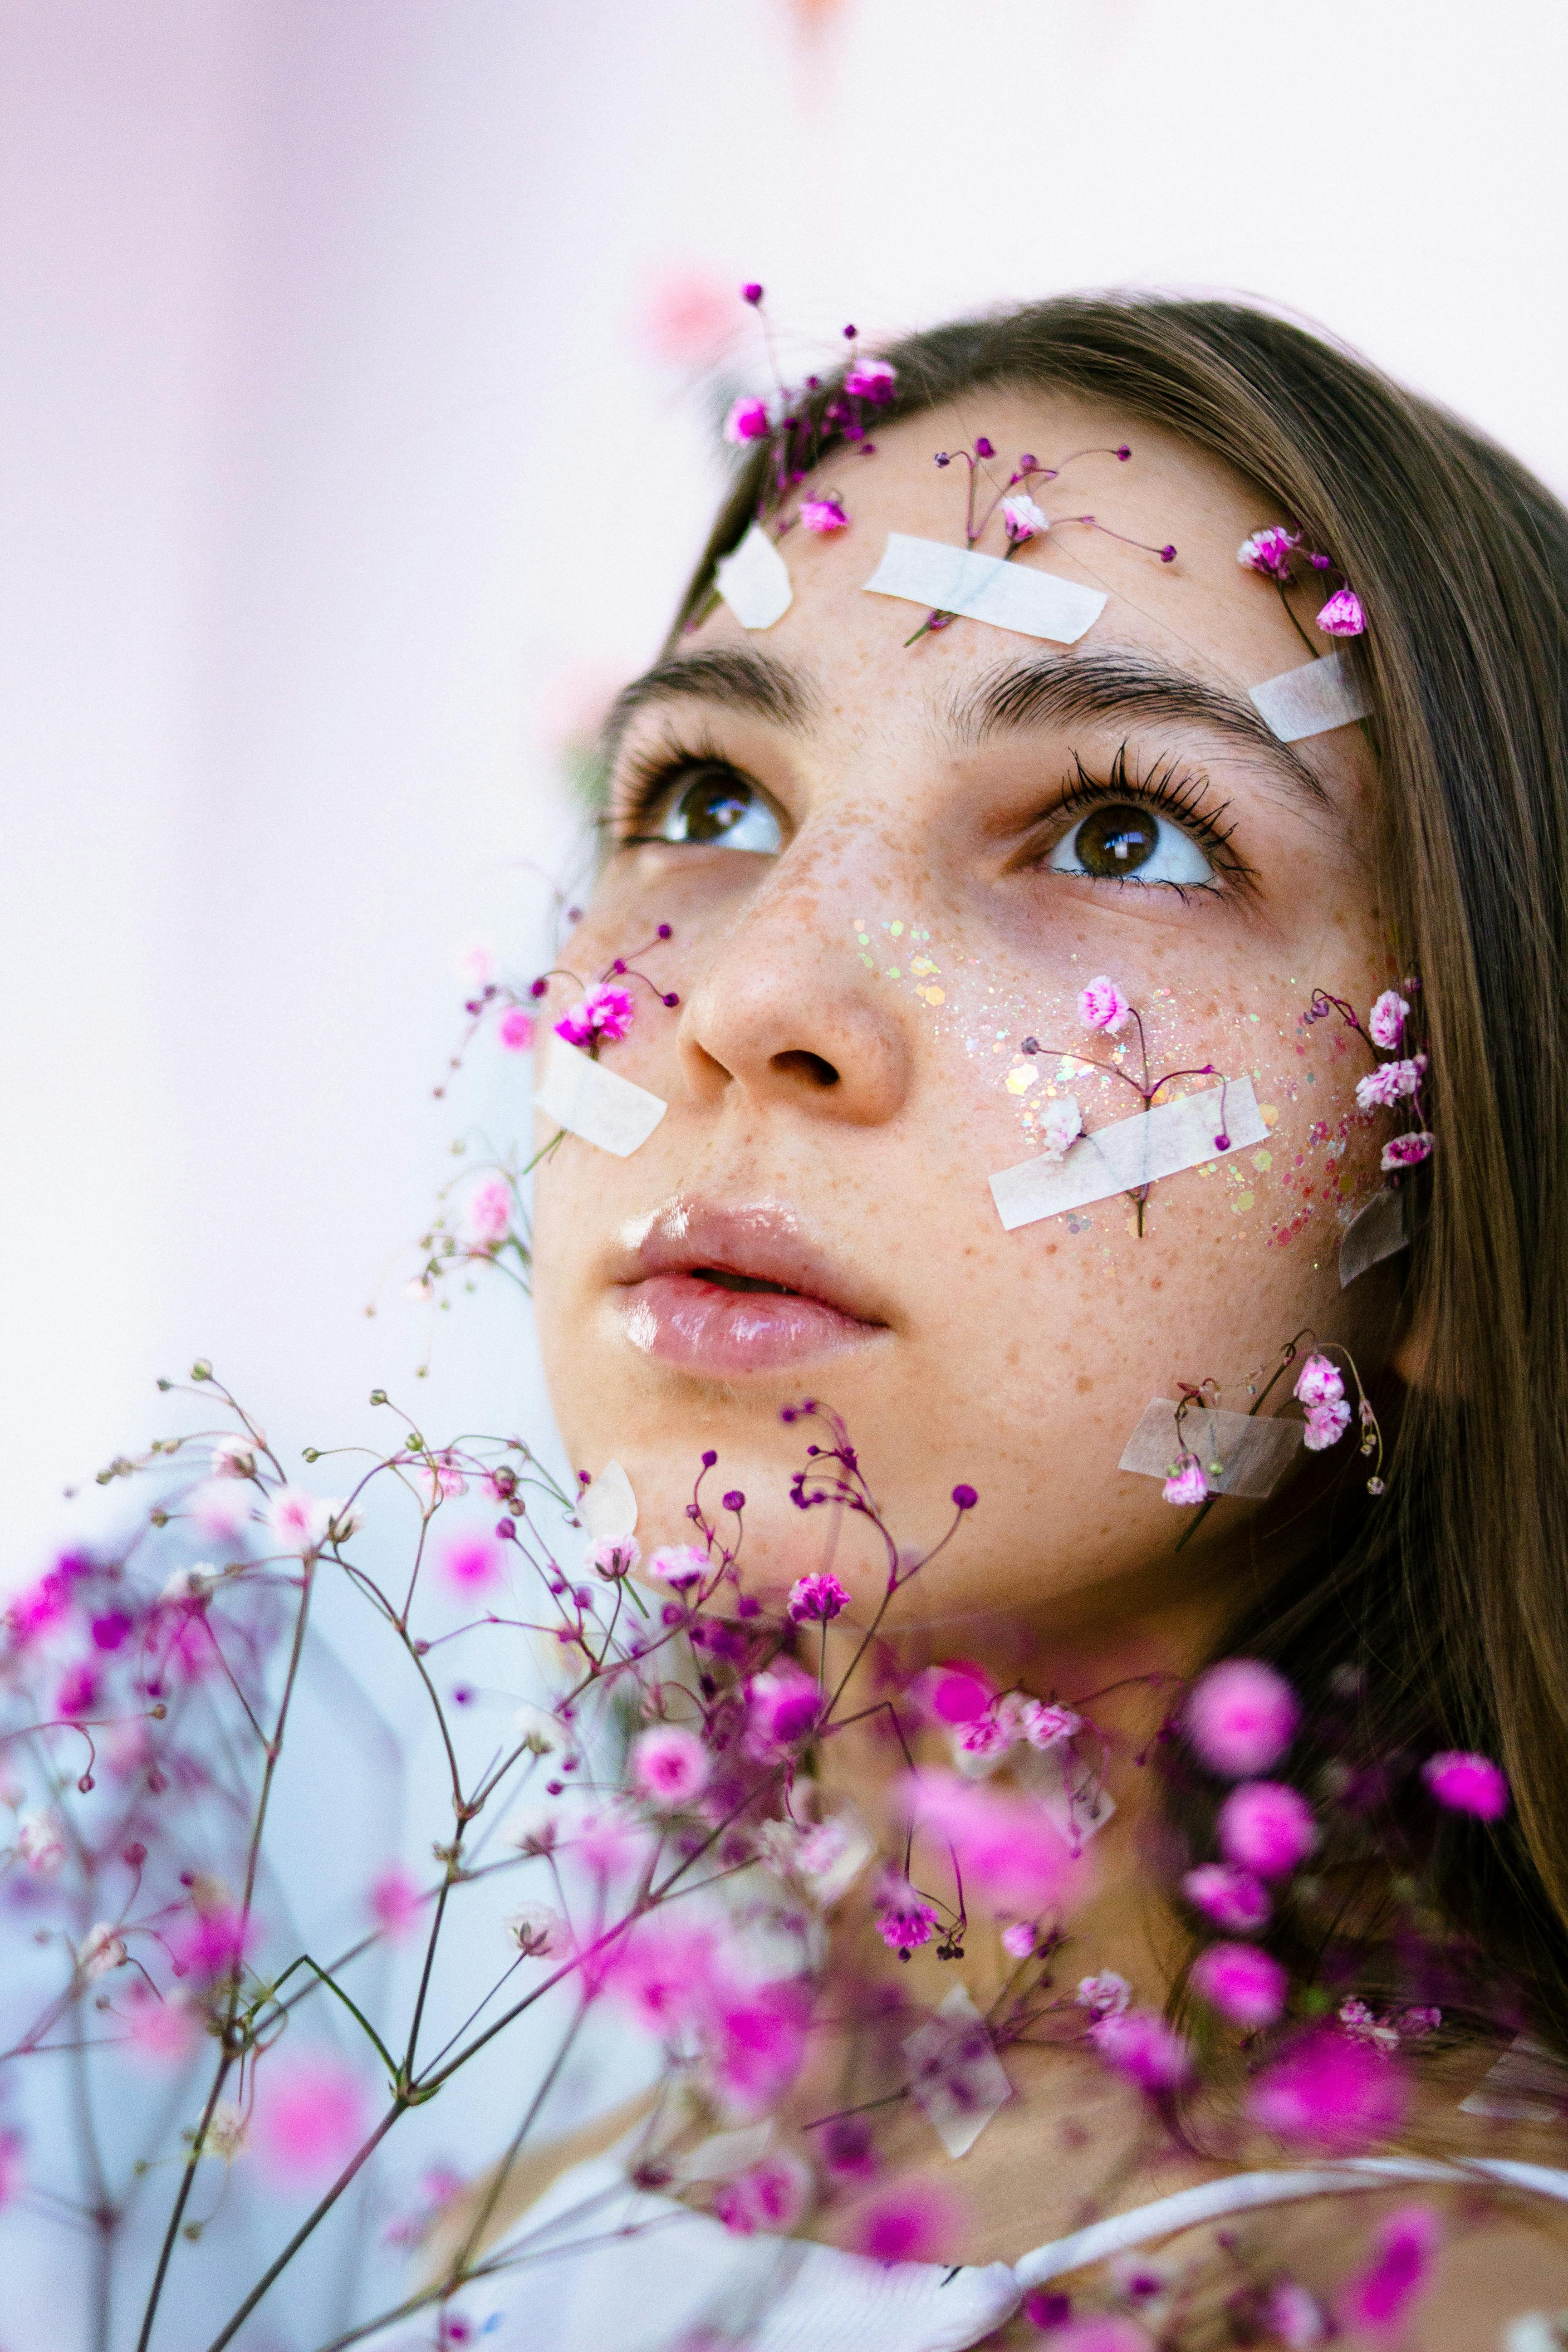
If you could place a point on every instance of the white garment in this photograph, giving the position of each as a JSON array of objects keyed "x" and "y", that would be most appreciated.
[{"x": 599, "y": 2266}]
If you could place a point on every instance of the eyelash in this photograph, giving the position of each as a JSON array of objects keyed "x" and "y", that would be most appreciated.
[
  {"x": 649, "y": 778},
  {"x": 1185, "y": 796}
]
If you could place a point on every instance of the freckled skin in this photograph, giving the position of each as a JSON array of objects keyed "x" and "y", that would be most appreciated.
[{"x": 1018, "y": 1363}]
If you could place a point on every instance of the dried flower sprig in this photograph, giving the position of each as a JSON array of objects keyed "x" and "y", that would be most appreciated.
[
  {"x": 1392, "y": 1084},
  {"x": 1273, "y": 552}
]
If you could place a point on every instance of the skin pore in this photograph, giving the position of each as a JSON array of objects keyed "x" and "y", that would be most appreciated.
[{"x": 873, "y": 858}]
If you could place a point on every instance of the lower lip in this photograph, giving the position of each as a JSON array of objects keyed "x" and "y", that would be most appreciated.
[{"x": 710, "y": 1329}]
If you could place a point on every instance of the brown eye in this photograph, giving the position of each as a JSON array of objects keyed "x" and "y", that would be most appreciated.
[
  {"x": 717, "y": 808},
  {"x": 1122, "y": 841}
]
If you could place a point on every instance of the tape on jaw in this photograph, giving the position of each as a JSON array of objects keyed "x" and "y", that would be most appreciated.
[
  {"x": 582, "y": 1096},
  {"x": 1130, "y": 1153},
  {"x": 1253, "y": 1454}
]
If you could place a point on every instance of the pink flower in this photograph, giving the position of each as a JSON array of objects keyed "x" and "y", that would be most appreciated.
[
  {"x": 78, "y": 1693},
  {"x": 614, "y": 1557},
  {"x": 823, "y": 515},
  {"x": 755, "y": 2037},
  {"x": 1390, "y": 1083},
  {"x": 783, "y": 1706},
  {"x": 1235, "y": 1899},
  {"x": 669, "y": 1766},
  {"x": 1407, "y": 1151},
  {"x": 1046, "y": 1726},
  {"x": 1243, "y": 1984},
  {"x": 1107, "y": 2332},
  {"x": 1057, "y": 1128},
  {"x": 906, "y": 2222},
  {"x": 1186, "y": 1482},
  {"x": 1240, "y": 1716},
  {"x": 10, "y": 2166},
  {"x": 1018, "y": 1941},
  {"x": 1266, "y": 1827},
  {"x": 1008, "y": 1846},
  {"x": 1378, "y": 2299},
  {"x": 770, "y": 2196},
  {"x": 212, "y": 1944},
  {"x": 663, "y": 1974},
  {"x": 1269, "y": 551},
  {"x": 1101, "y": 1005},
  {"x": 1295, "y": 2316},
  {"x": 1329, "y": 2093},
  {"x": 1326, "y": 1424},
  {"x": 161, "y": 2033},
  {"x": 871, "y": 380},
  {"x": 1343, "y": 616},
  {"x": 1319, "y": 1381},
  {"x": 686, "y": 319},
  {"x": 1023, "y": 520},
  {"x": 538, "y": 1930},
  {"x": 1105, "y": 1995},
  {"x": 747, "y": 421},
  {"x": 679, "y": 1565},
  {"x": 220, "y": 1509},
  {"x": 101, "y": 1951},
  {"x": 515, "y": 1029},
  {"x": 395, "y": 1903},
  {"x": 956, "y": 1692},
  {"x": 603, "y": 1010},
  {"x": 299, "y": 1522},
  {"x": 816, "y": 1600},
  {"x": 979, "y": 1746},
  {"x": 472, "y": 1563},
  {"x": 1386, "y": 1022},
  {"x": 904, "y": 1919},
  {"x": 1467, "y": 1784},
  {"x": 1140, "y": 2045},
  {"x": 41, "y": 1842},
  {"x": 487, "y": 1212},
  {"x": 1360, "y": 2021},
  {"x": 443, "y": 1480},
  {"x": 612, "y": 1844},
  {"x": 43, "y": 1605},
  {"x": 309, "y": 2118}
]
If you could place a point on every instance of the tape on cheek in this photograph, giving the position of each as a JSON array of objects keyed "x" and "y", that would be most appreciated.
[
  {"x": 1254, "y": 1453},
  {"x": 580, "y": 1095},
  {"x": 1013, "y": 596},
  {"x": 1319, "y": 696},
  {"x": 608, "y": 1508},
  {"x": 1130, "y": 1153},
  {"x": 754, "y": 582},
  {"x": 1376, "y": 1231}
]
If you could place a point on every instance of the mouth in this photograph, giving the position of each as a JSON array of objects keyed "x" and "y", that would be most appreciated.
[{"x": 732, "y": 1291}]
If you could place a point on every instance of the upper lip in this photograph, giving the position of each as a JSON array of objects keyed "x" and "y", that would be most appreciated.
[{"x": 763, "y": 1244}]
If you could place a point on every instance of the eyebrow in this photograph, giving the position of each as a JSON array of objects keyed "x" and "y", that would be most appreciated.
[{"x": 734, "y": 676}]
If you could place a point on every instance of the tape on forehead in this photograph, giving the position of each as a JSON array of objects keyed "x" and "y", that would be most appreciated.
[
  {"x": 1015, "y": 596},
  {"x": 754, "y": 582},
  {"x": 1130, "y": 1153},
  {"x": 1254, "y": 1454},
  {"x": 580, "y": 1095},
  {"x": 1310, "y": 700}
]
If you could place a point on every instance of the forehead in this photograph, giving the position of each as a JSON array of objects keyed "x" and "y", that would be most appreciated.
[{"x": 1202, "y": 613}]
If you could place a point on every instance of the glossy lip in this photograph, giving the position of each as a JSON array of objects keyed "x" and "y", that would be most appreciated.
[{"x": 672, "y": 1312}]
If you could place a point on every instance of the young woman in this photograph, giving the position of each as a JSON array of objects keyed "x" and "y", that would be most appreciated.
[{"x": 904, "y": 853}]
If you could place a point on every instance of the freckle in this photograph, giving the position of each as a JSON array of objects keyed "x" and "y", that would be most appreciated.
[
  {"x": 1051, "y": 1249},
  {"x": 1158, "y": 1283},
  {"x": 1084, "y": 1385}
]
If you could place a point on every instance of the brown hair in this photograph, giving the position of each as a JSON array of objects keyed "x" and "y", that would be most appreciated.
[{"x": 1449, "y": 1600}]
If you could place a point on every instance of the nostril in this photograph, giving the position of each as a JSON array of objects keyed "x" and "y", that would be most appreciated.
[{"x": 810, "y": 1066}]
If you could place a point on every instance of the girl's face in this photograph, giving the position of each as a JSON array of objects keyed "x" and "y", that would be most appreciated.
[{"x": 884, "y": 867}]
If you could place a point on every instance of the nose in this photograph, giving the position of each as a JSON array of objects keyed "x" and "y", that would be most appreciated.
[{"x": 786, "y": 1014}]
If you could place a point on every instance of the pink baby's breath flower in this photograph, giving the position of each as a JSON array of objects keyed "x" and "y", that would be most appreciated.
[
  {"x": 614, "y": 1557},
  {"x": 220, "y": 1509},
  {"x": 905, "y": 2221},
  {"x": 871, "y": 380},
  {"x": 1407, "y": 1151},
  {"x": 1008, "y": 1846},
  {"x": 905, "y": 1920},
  {"x": 747, "y": 421},
  {"x": 1467, "y": 1784},
  {"x": 979, "y": 1746},
  {"x": 212, "y": 1944},
  {"x": 1240, "y": 1716},
  {"x": 816, "y": 1600},
  {"x": 956, "y": 1691},
  {"x": 234, "y": 1455},
  {"x": 603, "y": 1010},
  {"x": 538, "y": 1930},
  {"x": 1101, "y": 1005},
  {"x": 1378, "y": 2300},
  {"x": 1295, "y": 2316},
  {"x": 1326, "y": 1424},
  {"x": 78, "y": 1693},
  {"x": 1235, "y": 1899},
  {"x": 1019, "y": 1940},
  {"x": 1046, "y": 1727},
  {"x": 1390, "y": 1083},
  {"x": 472, "y": 1563},
  {"x": 1386, "y": 1022},
  {"x": 10, "y": 2166},
  {"x": 514, "y": 1030},
  {"x": 101, "y": 1951},
  {"x": 41, "y": 1842},
  {"x": 395, "y": 1903},
  {"x": 309, "y": 2118},
  {"x": 612, "y": 1843},
  {"x": 1329, "y": 2093},
  {"x": 669, "y": 1766},
  {"x": 1269, "y": 551},
  {"x": 1023, "y": 520},
  {"x": 1266, "y": 1827},
  {"x": 770, "y": 2196},
  {"x": 1342, "y": 615},
  {"x": 1186, "y": 1483},
  {"x": 1363, "y": 2025},
  {"x": 823, "y": 515},
  {"x": 161, "y": 2033},
  {"x": 299, "y": 1522},
  {"x": 783, "y": 1706},
  {"x": 755, "y": 2037},
  {"x": 1140, "y": 2045},
  {"x": 1243, "y": 1984},
  {"x": 1057, "y": 1128},
  {"x": 1105, "y": 1995},
  {"x": 679, "y": 1565},
  {"x": 443, "y": 1480},
  {"x": 1319, "y": 1381}
]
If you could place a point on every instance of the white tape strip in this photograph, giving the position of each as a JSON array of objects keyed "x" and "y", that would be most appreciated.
[
  {"x": 956, "y": 2076},
  {"x": 1374, "y": 1233},
  {"x": 582, "y": 1096},
  {"x": 608, "y": 1508},
  {"x": 1255, "y": 1452},
  {"x": 1131, "y": 1152},
  {"x": 1310, "y": 700},
  {"x": 754, "y": 580},
  {"x": 983, "y": 588}
]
